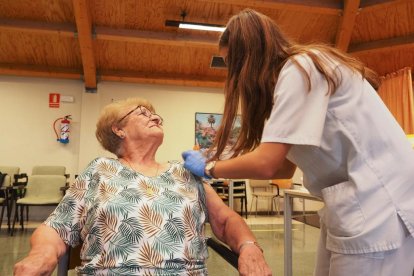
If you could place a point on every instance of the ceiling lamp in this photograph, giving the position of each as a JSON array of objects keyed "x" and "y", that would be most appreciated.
[{"x": 194, "y": 25}]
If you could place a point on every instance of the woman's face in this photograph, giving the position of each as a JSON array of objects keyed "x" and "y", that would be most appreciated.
[{"x": 143, "y": 125}]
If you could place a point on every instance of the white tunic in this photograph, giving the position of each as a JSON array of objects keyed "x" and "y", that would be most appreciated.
[{"x": 352, "y": 153}]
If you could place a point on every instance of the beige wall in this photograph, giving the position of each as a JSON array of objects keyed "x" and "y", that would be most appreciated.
[{"x": 27, "y": 137}]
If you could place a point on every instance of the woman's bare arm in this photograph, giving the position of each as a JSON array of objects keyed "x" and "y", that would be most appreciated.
[
  {"x": 230, "y": 228},
  {"x": 46, "y": 249}
]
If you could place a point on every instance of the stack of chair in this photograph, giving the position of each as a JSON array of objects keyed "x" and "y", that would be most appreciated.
[{"x": 8, "y": 174}]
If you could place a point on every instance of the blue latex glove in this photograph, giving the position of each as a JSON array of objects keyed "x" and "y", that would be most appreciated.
[{"x": 195, "y": 162}]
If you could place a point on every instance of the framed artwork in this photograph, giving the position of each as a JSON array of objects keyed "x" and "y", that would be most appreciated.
[{"x": 206, "y": 126}]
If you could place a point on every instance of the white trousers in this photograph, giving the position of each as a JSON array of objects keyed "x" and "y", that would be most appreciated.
[{"x": 398, "y": 262}]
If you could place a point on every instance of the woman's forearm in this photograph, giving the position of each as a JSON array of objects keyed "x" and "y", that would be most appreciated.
[
  {"x": 226, "y": 224},
  {"x": 236, "y": 232}
]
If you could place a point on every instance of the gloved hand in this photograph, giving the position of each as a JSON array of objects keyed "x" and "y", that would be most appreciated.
[{"x": 195, "y": 162}]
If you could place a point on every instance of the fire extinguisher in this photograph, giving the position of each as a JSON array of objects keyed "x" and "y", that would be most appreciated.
[{"x": 63, "y": 135}]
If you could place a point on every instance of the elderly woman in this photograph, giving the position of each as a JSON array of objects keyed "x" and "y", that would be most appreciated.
[{"x": 137, "y": 216}]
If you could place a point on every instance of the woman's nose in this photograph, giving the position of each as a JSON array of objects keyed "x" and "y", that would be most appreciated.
[{"x": 156, "y": 119}]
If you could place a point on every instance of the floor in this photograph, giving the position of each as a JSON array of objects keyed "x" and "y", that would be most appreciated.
[{"x": 268, "y": 230}]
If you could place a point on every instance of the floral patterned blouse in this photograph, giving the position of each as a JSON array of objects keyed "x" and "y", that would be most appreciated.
[{"x": 131, "y": 224}]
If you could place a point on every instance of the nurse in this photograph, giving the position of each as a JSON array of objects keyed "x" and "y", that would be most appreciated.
[{"x": 316, "y": 107}]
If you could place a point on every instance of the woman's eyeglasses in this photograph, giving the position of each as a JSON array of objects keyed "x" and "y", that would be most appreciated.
[{"x": 144, "y": 111}]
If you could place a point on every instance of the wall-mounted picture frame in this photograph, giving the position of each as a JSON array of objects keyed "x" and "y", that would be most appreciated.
[{"x": 206, "y": 126}]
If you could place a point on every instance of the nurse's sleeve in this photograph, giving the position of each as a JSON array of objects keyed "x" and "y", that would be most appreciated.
[{"x": 298, "y": 115}]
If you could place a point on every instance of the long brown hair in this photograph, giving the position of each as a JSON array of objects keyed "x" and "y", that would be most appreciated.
[{"x": 256, "y": 52}]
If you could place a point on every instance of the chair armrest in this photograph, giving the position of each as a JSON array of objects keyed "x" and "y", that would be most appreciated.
[
  {"x": 277, "y": 188},
  {"x": 18, "y": 181},
  {"x": 19, "y": 191},
  {"x": 228, "y": 255}
]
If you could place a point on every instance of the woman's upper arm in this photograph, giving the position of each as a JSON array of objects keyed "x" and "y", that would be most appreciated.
[
  {"x": 218, "y": 212},
  {"x": 46, "y": 236}
]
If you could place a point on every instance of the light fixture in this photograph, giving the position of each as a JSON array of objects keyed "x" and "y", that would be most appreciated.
[
  {"x": 218, "y": 62},
  {"x": 194, "y": 25}
]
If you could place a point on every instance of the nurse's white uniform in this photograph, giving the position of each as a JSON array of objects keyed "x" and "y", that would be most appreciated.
[{"x": 356, "y": 157}]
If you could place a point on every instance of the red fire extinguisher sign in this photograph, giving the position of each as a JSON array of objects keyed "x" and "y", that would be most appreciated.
[{"x": 54, "y": 100}]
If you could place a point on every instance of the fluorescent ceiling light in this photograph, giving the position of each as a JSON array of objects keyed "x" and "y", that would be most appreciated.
[
  {"x": 195, "y": 26},
  {"x": 201, "y": 27}
]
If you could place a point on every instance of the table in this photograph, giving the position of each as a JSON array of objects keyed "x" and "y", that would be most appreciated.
[{"x": 289, "y": 195}]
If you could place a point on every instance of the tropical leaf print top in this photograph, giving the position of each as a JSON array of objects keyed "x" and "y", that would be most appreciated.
[{"x": 131, "y": 224}]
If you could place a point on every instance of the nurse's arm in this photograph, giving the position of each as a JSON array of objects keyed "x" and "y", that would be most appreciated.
[{"x": 267, "y": 161}]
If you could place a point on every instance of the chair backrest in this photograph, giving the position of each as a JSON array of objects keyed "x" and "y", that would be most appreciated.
[
  {"x": 45, "y": 185},
  {"x": 48, "y": 170},
  {"x": 10, "y": 171},
  {"x": 283, "y": 183},
  {"x": 239, "y": 188},
  {"x": 256, "y": 183}
]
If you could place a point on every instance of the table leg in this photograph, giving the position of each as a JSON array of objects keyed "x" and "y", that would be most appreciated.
[
  {"x": 9, "y": 204},
  {"x": 231, "y": 199},
  {"x": 288, "y": 234}
]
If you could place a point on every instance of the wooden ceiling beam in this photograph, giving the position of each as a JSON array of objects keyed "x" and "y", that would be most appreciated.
[
  {"x": 84, "y": 26},
  {"x": 372, "y": 5},
  {"x": 109, "y": 75},
  {"x": 332, "y": 7},
  {"x": 162, "y": 38},
  {"x": 111, "y": 34},
  {"x": 39, "y": 71},
  {"x": 61, "y": 29},
  {"x": 346, "y": 25},
  {"x": 382, "y": 45},
  {"x": 166, "y": 79}
]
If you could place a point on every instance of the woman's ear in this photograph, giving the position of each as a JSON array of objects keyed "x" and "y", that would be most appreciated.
[{"x": 118, "y": 132}]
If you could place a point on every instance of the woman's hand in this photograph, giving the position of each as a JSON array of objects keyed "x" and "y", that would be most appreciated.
[
  {"x": 252, "y": 262},
  {"x": 36, "y": 263},
  {"x": 195, "y": 162}
]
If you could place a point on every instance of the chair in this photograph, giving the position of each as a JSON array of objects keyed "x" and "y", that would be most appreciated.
[
  {"x": 8, "y": 173},
  {"x": 263, "y": 189},
  {"x": 41, "y": 190},
  {"x": 11, "y": 172},
  {"x": 281, "y": 184},
  {"x": 71, "y": 258},
  {"x": 239, "y": 192},
  {"x": 48, "y": 170}
]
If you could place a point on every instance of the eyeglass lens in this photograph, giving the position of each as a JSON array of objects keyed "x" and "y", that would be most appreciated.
[{"x": 149, "y": 114}]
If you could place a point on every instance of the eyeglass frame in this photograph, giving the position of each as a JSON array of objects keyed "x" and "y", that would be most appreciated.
[{"x": 161, "y": 120}]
